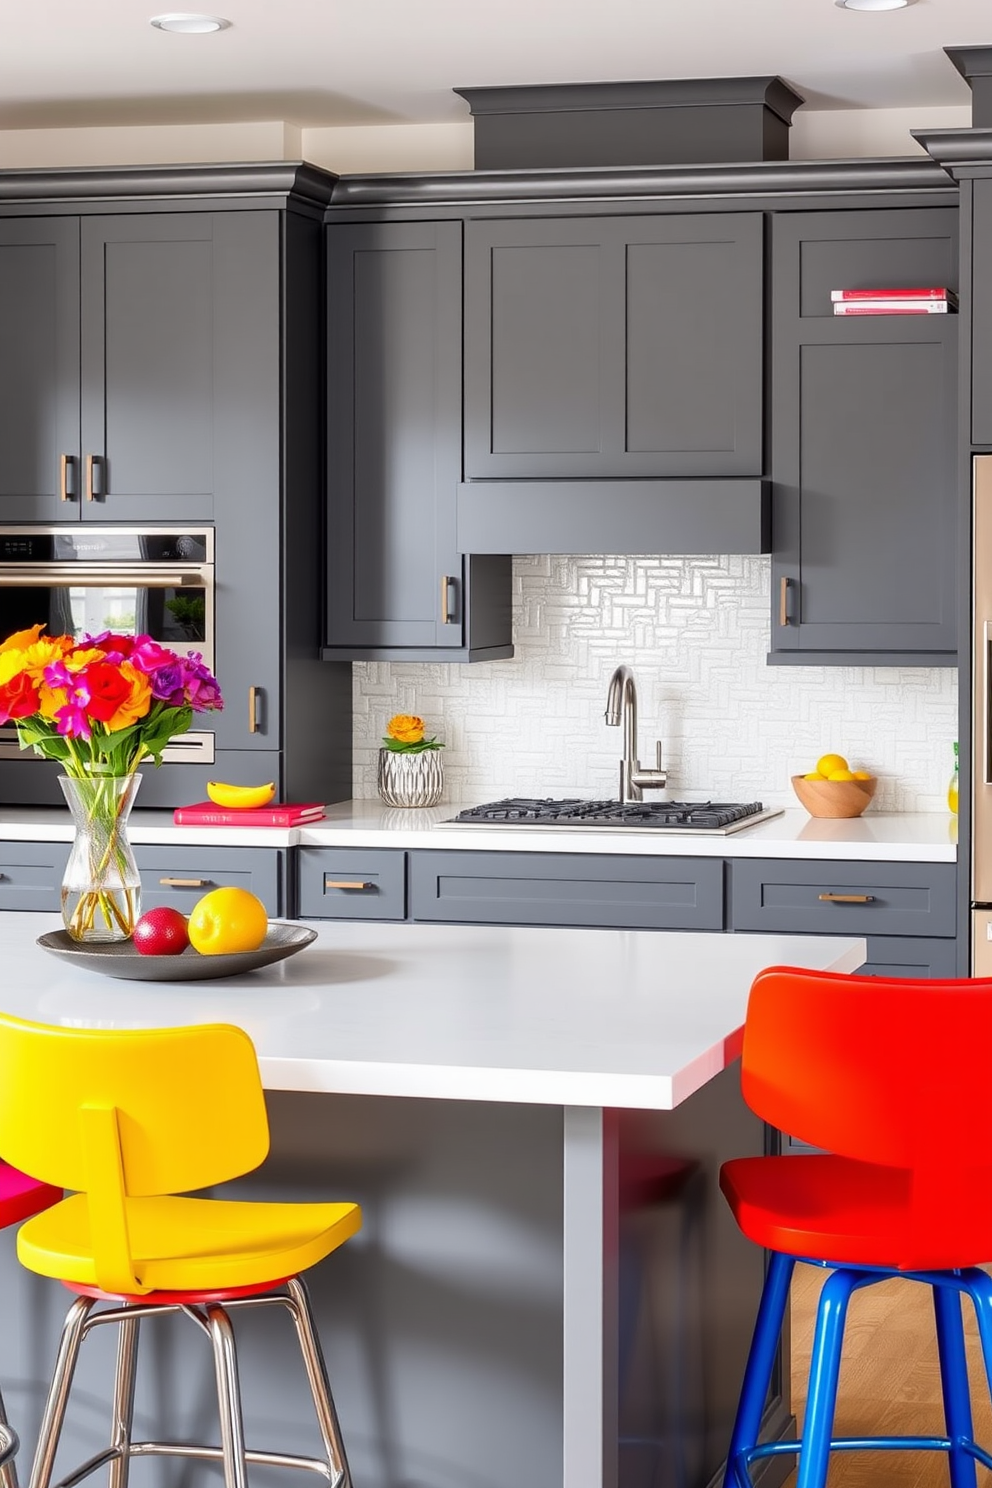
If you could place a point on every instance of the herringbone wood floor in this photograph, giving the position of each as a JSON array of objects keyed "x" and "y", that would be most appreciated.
[{"x": 889, "y": 1381}]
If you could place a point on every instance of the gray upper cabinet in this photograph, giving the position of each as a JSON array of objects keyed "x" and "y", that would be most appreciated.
[
  {"x": 614, "y": 346},
  {"x": 397, "y": 584},
  {"x": 981, "y": 315},
  {"x": 118, "y": 334},
  {"x": 863, "y": 442}
]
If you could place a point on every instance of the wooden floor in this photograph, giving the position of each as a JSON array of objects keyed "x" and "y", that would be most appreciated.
[{"x": 889, "y": 1381}]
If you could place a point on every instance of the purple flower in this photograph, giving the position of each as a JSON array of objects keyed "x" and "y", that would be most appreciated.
[{"x": 169, "y": 684}]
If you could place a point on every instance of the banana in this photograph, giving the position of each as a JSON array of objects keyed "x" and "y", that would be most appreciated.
[{"x": 240, "y": 797}]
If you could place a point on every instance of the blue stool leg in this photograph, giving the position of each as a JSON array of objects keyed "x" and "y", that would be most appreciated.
[
  {"x": 760, "y": 1362},
  {"x": 954, "y": 1383},
  {"x": 824, "y": 1371}
]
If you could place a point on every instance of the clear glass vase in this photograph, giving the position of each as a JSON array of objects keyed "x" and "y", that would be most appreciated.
[
  {"x": 101, "y": 886},
  {"x": 410, "y": 779}
]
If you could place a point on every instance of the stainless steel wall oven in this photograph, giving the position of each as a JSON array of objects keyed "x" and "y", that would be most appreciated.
[{"x": 156, "y": 581}]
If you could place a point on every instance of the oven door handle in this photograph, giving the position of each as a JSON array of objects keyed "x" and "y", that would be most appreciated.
[{"x": 141, "y": 576}]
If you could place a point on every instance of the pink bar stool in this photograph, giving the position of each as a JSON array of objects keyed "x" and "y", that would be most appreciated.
[{"x": 20, "y": 1197}]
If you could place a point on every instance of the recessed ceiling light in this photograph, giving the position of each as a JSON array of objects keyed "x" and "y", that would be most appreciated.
[
  {"x": 180, "y": 20},
  {"x": 874, "y": 4}
]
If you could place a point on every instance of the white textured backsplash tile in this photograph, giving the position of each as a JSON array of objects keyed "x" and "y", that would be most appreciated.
[{"x": 695, "y": 632}]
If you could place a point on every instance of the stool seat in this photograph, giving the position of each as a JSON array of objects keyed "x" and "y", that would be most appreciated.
[
  {"x": 821, "y": 1205},
  {"x": 185, "y": 1245}
]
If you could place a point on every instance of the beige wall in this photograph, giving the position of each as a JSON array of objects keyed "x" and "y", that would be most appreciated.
[{"x": 824, "y": 135}]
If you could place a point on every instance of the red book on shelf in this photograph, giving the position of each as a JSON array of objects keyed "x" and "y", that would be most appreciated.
[
  {"x": 930, "y": 292},
  {"x": 207, "y": 814}
]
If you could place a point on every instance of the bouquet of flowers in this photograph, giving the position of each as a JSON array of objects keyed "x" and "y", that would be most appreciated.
[
  {"x": 100, "y": 706},
  {"x": 405, "y": 735}
]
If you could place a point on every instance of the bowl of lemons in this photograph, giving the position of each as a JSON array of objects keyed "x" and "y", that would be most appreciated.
[{"x": 833, "y": 789}]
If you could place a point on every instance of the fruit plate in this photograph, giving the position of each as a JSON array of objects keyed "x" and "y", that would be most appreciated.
[{"x": 122, "y": 960}]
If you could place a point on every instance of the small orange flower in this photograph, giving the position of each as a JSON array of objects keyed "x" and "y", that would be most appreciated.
[{"x": 406, "y": 728}]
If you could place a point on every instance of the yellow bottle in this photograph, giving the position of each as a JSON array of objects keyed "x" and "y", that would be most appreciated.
[{"x": 952, "y": 789}]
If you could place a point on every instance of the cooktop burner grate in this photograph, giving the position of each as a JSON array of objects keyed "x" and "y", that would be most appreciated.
[{"x": 712, "y": 816}]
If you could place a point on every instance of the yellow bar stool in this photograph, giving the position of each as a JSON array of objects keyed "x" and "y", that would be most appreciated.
[{"x": 130, "y": 1122}]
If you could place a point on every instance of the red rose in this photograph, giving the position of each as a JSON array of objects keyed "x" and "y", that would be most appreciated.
[
  {"x": 18, "y": 697},
  {"x": 107, "y": 688}
]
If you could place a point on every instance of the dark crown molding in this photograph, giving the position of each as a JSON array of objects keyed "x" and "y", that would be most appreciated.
[
  {"x": 545, "y": 98},
  {"x": 276, "y": 181},
  {"x": 962, "y": 153},
  {"x": 761, "y": 178}
]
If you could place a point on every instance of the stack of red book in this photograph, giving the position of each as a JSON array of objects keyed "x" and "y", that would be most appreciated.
[
  {"x": 208, "y": 814},
  {"x": 932, "y": 300}
]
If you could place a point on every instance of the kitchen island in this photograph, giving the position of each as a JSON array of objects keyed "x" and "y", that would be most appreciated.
[{"x": 548, "y": 1288}]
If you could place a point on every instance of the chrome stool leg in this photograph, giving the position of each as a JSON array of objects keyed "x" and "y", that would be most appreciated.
[
  {"x": 123, "y": 1407},
  {"x": 320, "y": 1388},
  {"x": 232, "y": 1431},
  {"x": 8, "y": 1450},
  {"x": 58, "y": 1395}
]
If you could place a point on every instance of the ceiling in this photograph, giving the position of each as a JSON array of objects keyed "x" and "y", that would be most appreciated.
[{"x": 315, "y": 63}]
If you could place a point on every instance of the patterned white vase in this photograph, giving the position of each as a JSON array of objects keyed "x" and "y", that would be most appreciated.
[{"x": 410, "y": 779}]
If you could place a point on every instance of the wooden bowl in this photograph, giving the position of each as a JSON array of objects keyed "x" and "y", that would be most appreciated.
[{"x": 834, "y": 798}]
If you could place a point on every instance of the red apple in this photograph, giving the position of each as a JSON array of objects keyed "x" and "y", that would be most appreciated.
[{"x": 161, "y": 932}]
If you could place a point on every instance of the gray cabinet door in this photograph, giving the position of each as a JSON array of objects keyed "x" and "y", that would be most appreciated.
[
  {"x": 394, "y": 573},
  {"x": 614, "y": 346},
  {"x": 981, "y": 314},
  {"x": 150, "y": 365},
  {"x": 863, "y": 442},
  {"x": 795, "y": 897},
  {"x": 39, "y": 369}
]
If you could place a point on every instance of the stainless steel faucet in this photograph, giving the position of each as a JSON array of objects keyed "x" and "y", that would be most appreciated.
[{"x": 621, "y": 707}]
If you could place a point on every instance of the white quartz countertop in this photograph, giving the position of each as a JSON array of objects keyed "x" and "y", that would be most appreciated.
[
  {"x": 625, "y": 1018},
  {"x": 921, "y": 837},
  {"x": 929, "y": 837}
]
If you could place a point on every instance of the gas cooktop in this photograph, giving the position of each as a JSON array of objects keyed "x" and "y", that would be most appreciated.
[{"x": 711, "y": 818}]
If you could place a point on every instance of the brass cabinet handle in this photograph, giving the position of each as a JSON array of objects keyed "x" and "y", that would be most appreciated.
[
  {"x": 847, "y": 898},
  {"x": 90, "y": 466},
  {"x": 65, "y": 463},
  {"x": 346, "y": 883},
  {"x": 254, "y": 695},
  {"x": 185, "y": 883},
  {"x": 447, "y": 607},
  {"x": 783, "y": 601}
]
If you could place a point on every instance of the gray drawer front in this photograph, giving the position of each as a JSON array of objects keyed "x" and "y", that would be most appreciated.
[
  {"x": 902, "y": 898},
  {"x": 31, "y": 875},
  {"x": 352, "y": 884},
  {"x": 181, "y": 875},
  {"x": 567, "y": 889}
]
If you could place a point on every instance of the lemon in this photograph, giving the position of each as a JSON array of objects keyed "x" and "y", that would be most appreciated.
[
  {"x": 814, "y": 775},
  {"x": 861, "y": 775},
  {"x": 227, "y": 920},
  {"x": 842, "y": 775},
  {"x": 828, "y": 763},
  {"x": 240, "y": 797}
]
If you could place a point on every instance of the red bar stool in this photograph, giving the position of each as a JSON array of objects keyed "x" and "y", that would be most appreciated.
[
  {"x": 891, "y": 1077},
  {"x": 20, "y": 1197}
]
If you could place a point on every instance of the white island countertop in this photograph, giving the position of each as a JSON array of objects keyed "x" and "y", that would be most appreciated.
[
  {"x": 622, "y": 1018},
  {"x": 909, "y": 837}
]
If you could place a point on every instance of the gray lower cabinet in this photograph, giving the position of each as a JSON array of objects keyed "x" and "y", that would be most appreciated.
[
  {"x": 796, "y": 897},
  {"x": 31, "y": 875},
  {"x": 179, "y": 876},
  {"x": 863, "y": 454},
  {"x": 398, "y": 582},
  {"x": 351, "y": 883},
  {"x": 611, "y": 346},
  {"x": 567, "y": 889}
]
